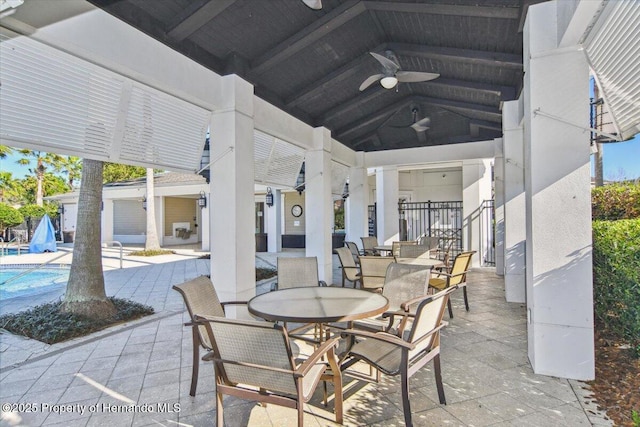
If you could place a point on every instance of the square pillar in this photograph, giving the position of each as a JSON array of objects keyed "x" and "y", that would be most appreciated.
[
  {"x": 232, "y": 204},
  {"x": 558, "y": 201},
  {"x": 319, "y": 203},
  {"x": 498, "y": 185},
  {"x": 387, "y": 183},
  {"x": 476, "y": 187},
  {"x": 274, "y": 223},
  {"x": 356, "y": 207},
  {"x": 514, "y": 202}
]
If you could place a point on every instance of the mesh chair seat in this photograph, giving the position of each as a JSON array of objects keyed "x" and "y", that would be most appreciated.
[{"x": 385, "y": 356}]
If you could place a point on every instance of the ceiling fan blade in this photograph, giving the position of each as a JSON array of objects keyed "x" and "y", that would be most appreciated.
[
  {"x": 423, "y": 122},
  {"x": 422, "y": 138},
  {"x": 419, "y": 128},
  {"x": 386, "y": 62},
  {"x": 415, "y": 76},
  {"x": 370, "y": 80},
  {"x": 313, "y": 4}
]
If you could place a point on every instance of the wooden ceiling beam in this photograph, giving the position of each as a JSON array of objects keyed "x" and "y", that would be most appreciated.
[
  {"x": 310, "y": 34},
  {"x": 195, "y": 17},
  {"x": 445, "y": 9},
  {"x": 493, "y": 59}
]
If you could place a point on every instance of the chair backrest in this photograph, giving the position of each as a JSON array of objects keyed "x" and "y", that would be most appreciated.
[
  {"x": 373, "y": 270},
  {"x": 460, "y": 265},
  {"x": 297, "y": 272},
  {"x": 429, "y": 314},
  {"x": 404, "y": 282},
  {"x": 369, "y": 243},
  {"x": 395, "y": 246},
  {"x": 345, "y": 257},
  {"x": 201, "y": 298},
  {"x": 430, "y": 241},
  {"x": 414, "y": 251},
  {"x": 353, "y": 248},
  {"x": 261, "y": 344}
]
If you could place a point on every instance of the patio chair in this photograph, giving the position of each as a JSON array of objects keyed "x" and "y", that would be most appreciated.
[
  {"x": 297, "y": 273},
  {"x": 456, "y": 276},
  {"x": 253, "y": 360},
  {"x": 355, "y": 252},
  {"x": 395, "y": 246},
  {"x": 431, "y": 241},
  {"x": 368, "y": 245},
  {"x": 402, "y": 283},
  {"x": 404, "y": 356},
  {"x": 350, "y": 270},
  {"x": 373, "y": 270},
  {"x": 201, "y": 298},
  {"x": 413, "y": 251}
]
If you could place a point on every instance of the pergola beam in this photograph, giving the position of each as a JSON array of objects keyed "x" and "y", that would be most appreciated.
[
  {"x": 445, "y": 9},
  {"x": 195, "y": 17},
  {"x": 309, "y": 35}
]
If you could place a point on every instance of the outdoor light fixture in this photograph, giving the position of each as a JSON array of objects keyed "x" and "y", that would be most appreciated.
[
  {"x": 300, "y": 181},
  {"x": 144, "y": 203},
  {"x": 205, "y": 160},
  {"x": 202, "y": 200},
  {"x": 389, "y": 82},
  {"x": 269, "y": 197},
  {"x": 61, "y": 209},
  {"x": 345, "y": 191}
]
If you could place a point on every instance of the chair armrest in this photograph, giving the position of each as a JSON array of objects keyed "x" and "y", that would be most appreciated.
[
  {"x": 391, "y": 339},
  {"x": 303, "y": 369},
  {"x": 322, "y": 283},
  {"x": 431, "y": 332},
  {"x": 234, "y": 303},
  {"x": 274, "y": 286}
]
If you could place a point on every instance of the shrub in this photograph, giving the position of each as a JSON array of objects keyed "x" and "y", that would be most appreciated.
[
  {"x": 32, "y": 211},
  {"x": 616, "y": 277},
  {"x": 152, "y": 252},
  {"x": 616, "y": 201},
  {"x": 9, "y": 217},
  {"x": 47, "y": 323}
]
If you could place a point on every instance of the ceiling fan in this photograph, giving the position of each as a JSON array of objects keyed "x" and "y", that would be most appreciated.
[
  {"x": 418, "y": 125},
  {"x": 392, "y": 74},
  {"x": 313, "y": 4}
]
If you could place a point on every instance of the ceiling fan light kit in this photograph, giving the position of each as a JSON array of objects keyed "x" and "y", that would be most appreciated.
[{"x": 389, "y": 82}]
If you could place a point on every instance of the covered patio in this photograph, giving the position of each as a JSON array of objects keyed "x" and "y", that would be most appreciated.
[
  {"x": 148, "y": 79},
  {"x": 487, "y": 377}
]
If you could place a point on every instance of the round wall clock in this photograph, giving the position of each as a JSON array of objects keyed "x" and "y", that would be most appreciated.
[{"x": 296, "y": 210}]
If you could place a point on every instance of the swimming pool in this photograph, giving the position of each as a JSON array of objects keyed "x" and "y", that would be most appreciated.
[
  {"x": 13, "y": 251},
  {"x": 41, "y": 280}
]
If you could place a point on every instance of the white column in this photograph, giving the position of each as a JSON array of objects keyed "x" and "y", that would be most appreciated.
[
  {"x": 514, "y": 203},
  {"x": 356, "y": 207},
  {"x": 232, "y": 193},
  {"x": 387, "y": 183},
  {"x": 274, "y": 223},
  {"x": 557, "y": 183},
  {"x": 476, "y": 187},
  {"x": 107, "y": 220},
  {"x": 205, "y": 224},
  {"x": 498, "y": 185},
  {"x": 318, "y": 202}
]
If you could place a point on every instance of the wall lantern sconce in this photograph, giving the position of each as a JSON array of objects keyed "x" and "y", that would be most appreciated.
[
  {"x": 202, "y": 200},
  {"x": 205, "y": 159},
  {"x": 345, "y": 191},
  {"x": 269, "y": 197},
  {"x": 61, "y": 210},
  {"x": 144, "y": 203}
]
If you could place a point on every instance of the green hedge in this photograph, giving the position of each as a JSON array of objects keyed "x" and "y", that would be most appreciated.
[
  {"x": 616, "y": 201},
  {"x": 616, "y": 277}
]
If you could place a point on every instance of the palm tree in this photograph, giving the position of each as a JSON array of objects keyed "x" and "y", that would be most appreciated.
[
  {"x": 71, "y": 166},
  {"x": 42, "y": 161},
  {"x": 151, "y": 242},
  {"x": 5, "y": 151},
  {"x": 8, "y": 187},
  {"x": 85, "y": 293}
]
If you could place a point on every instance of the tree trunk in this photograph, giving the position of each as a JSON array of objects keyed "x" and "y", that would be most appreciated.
[
  {"x": 85, "y": 290},
  {"x": 40, "y": 169},
  {"x": 151, "y": 242}
]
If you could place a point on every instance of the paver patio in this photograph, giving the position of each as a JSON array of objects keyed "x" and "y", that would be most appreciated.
[{"x": 487, "y": 377}]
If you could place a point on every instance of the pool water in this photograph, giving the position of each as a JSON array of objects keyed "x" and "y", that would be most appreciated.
[
  {"x": 14, "y": 251},
  {"x": 42, "y": 280}
]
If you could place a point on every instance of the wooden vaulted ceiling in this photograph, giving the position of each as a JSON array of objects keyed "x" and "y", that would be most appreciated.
[{"x": 311, "y": 63}]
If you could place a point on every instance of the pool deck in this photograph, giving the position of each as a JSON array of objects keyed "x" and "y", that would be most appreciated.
[{"x": 488, "y": 379}]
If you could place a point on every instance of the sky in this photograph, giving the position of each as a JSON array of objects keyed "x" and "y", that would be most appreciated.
[{"x": 621, "y": 161}]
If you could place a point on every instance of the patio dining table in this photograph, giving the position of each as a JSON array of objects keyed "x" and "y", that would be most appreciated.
[
  {"x": 426, "y": 262},
  {"x": 321, "y": 304}
]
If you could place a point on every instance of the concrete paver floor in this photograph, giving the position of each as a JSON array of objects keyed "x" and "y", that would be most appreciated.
[{"x": 94, "y": 381}]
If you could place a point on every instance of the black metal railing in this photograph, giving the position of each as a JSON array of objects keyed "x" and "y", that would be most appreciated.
[
  {"x": 488, "y": 233},
  {"x": 371, "y": 214},
  {"x": 434, "y": 219}
]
